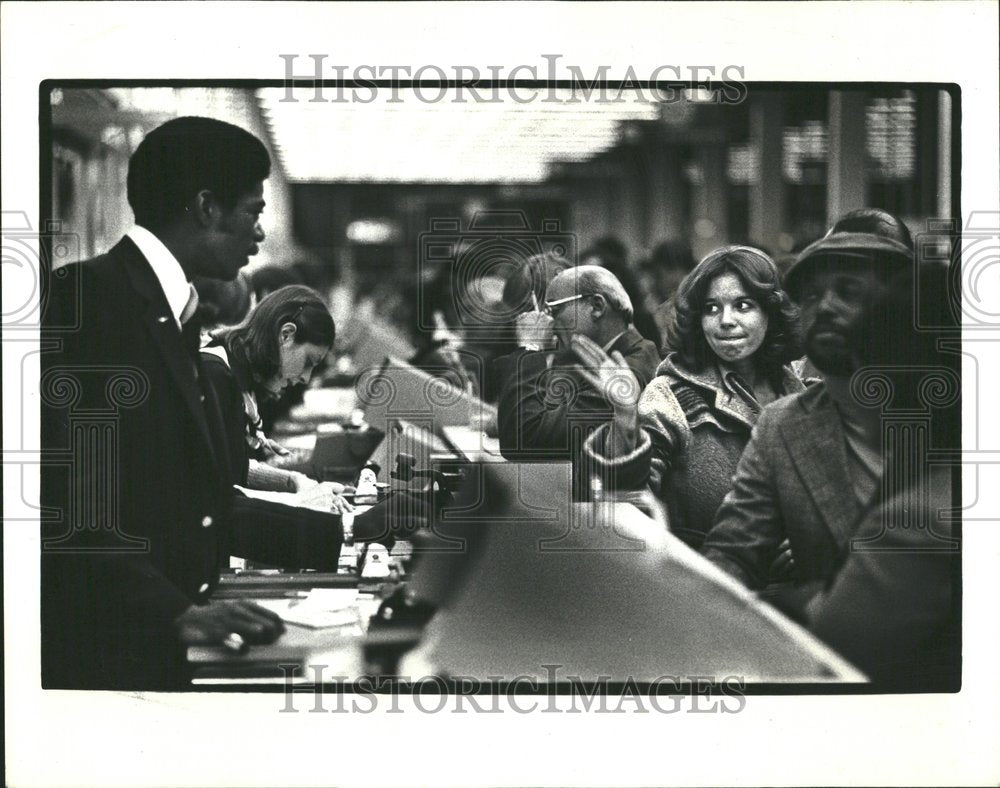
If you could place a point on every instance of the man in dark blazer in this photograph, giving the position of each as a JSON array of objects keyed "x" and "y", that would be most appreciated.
[
  {"x": 548, "y": 405},
  {"x": 814, "y": 462},
  {"x": 135, "y": 521}
]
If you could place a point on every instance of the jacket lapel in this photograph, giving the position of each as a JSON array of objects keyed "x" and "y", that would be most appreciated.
[
  {"x": 814, "y": 438},
  {"x": 734, "y": 407},
  {"x": 158, "y": 322},
  {"x": 791, "y": 383},
  {"x": 724, "y": 402}
]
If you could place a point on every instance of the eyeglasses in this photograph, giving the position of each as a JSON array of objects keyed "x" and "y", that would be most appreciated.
[{"x": 547, "y": 307}]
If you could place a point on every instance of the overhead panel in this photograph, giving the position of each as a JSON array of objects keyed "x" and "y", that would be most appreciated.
[{"x": 405, "y": 139}]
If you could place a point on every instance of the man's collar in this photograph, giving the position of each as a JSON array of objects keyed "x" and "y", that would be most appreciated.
[
  {"x": 168, "y": 271},
  {"x": 615, "y": 338},
  {"x": 725, "y": 371}
]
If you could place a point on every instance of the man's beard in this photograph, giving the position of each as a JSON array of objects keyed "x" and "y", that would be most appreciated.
[{"x": 830, "y": 357}]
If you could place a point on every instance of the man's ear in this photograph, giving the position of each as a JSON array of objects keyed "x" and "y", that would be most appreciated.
[
  {"x": 205, "y": 208},
  {"x": 598, "y": 305},
  {"x": 287, "y": 333}
]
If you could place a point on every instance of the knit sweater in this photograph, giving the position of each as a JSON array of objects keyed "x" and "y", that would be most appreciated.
[{"x": 693, "y": 431}]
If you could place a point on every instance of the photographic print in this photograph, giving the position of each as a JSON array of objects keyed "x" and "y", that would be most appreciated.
[{"x": 352, "y": 388}]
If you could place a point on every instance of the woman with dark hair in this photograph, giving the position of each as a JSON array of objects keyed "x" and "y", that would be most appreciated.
[
  {"x": 278, "y": 345},
  {"x": 733, "y": 335},
  {"x": 301, "y": 522}
]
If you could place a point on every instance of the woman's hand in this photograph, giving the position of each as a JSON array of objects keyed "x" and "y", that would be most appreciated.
[
  {"x": 324, "y": 497},
  {"x": 273, "y": 447},
  {"x": 299, "y": 483},
  {"x": 340, "y": 504}
]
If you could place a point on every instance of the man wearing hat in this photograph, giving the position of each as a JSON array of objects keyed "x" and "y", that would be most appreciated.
[{"x": 814, "y": 462}]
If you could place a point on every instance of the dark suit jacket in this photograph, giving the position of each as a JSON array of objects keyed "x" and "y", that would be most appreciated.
[
  {"x": 793, "y": 481},
  {"x": 136, "y": 501},
  {"x": 545, "y": 413}
]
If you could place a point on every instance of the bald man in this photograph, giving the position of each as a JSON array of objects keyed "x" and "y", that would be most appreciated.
[{"x": 548, "y": 406}]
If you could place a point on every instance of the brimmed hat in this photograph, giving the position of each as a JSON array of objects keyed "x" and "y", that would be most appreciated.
[{"x": 866, "y": 234}]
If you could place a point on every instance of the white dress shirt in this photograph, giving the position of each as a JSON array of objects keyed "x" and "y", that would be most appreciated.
[{"x": 168, "y": 271}]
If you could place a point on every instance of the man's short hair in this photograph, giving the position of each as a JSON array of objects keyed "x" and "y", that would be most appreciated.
[
  {"x": 600, "y": 281},
  {"x": 185, "y": 155}
]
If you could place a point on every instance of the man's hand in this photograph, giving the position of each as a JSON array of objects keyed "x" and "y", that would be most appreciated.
[
  {"x": 609, "y": 375},
  {"x": 783, "y": 566},
  {"x": 216, "y": 623},
  {"x": 533, "y": 329}
]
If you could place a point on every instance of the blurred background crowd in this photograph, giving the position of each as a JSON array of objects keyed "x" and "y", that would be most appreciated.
[{"x": 410, "y": 217}]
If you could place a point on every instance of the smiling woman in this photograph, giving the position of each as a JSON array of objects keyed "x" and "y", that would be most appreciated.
[{"x": 734, "y": 332}]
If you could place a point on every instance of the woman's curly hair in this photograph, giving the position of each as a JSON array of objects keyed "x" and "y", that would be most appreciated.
[{"x": 760, "y": 277}]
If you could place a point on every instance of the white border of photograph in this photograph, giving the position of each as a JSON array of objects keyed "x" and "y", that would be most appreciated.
[{"x": 75, "y": 738}]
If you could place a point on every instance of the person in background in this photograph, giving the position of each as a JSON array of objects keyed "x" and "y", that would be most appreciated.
[
  {"x": 610, "y": 253},
  {"x": 525, "y": 288},
  {"x": 523, "y": 293},
  {"x": 440, "y": 354},
  {"x": 268, "y": 278},
  {"x": 814, "y": 461},
  {"x": 223, "y": 303},
  {"x": 660, "y": 276},
  {"x": 733, "y": 335},
  {"x": 547, "y": 408}
]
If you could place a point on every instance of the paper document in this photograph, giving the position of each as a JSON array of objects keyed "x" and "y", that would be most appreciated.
[{"x": 323, "y": 607}]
